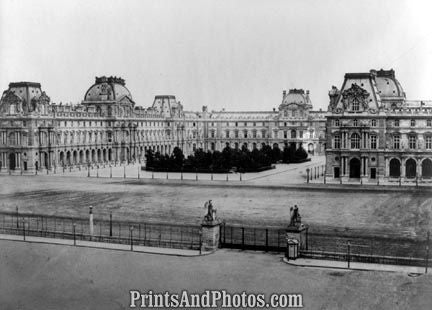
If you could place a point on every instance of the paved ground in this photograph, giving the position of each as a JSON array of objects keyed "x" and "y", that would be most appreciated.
[{"x": 36, "y": 276}]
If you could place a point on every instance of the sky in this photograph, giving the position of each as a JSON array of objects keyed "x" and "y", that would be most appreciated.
[{"x": 238, "y": 55}]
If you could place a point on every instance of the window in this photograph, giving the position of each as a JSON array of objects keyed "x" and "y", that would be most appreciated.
[
  {"x": 355, "y": 105},
  {"x": 254, "y": 134},
  {"x": 236, "y": 134},
  {"x": 412, "y": 142},
  {"x": 337, "y": 142},
  {"x": 212, "y": 133},
  {"x": 429, "y": 123},
  {"x": 413, "y": 123},
  {"x": 301, "y": 134},
  {"x": 429, "y": 142},
  {"x": 373, "y": 142},
  {"x": 227, "y": 134},
  {"x": 285, "y": 134},
  {"x": 396, "y": 142},
  {"x": 396, "y": 123},
  {"x": 336, "y": 122},
  {"x": 355, "y": 141},
  {"x": 355, "y": 123},
  {"x": 254, "y": 124},
  {"x": 245, "y": 124},
  {"x": 236, "y": 124},
  {"x": 374, "y": 123},
  {"x": 245, "y": 134},
  {"x": 293, "y": 134}
]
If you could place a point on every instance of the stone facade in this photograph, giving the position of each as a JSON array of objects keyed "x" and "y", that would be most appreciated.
[
  {"x": 107, "y": 126},
  {"x": 374, "y": 133}
]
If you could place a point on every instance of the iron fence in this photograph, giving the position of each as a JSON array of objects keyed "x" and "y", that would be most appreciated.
[
  {"x": 332, "y": 246},
  {"x": 113, "y": 231}
]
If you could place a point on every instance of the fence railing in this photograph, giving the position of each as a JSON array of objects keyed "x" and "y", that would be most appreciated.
[
  {"x": 113, "y": 231},
  {"x": 367, "y": 249}
]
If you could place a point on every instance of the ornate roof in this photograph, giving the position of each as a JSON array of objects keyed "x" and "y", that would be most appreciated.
[{"x": 108, "y": 89}]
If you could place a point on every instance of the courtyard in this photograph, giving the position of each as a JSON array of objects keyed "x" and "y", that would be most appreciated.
[{"x": 259, "y": 199}]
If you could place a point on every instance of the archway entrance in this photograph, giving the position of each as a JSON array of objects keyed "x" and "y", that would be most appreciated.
[
  {"x": 394, "y": 168},
  {"x": 12, "y": 163},
  {"x": 410, "y": 168},
  {"x": 355, "y": 168},
  {"x": 427, "y": 168}
]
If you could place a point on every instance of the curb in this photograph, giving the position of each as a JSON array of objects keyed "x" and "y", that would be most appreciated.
[
  {"x": 286, "y": 261},
  {"x": 107, "y": 248}
]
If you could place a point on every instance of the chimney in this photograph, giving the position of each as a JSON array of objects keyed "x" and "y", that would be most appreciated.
[{"x": 283, "y": 94}]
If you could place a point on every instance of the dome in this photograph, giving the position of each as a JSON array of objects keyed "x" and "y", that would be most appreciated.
[
  {"x": 297, "y": 96},
  {"x": 107, "y": 89},
  {"x": 387, "y": 84}
]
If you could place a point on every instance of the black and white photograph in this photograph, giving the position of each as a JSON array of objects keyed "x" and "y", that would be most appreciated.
[{"x": 215, "y": 154}]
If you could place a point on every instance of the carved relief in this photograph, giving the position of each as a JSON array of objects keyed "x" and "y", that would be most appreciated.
[{"x": 353, "y": 95}]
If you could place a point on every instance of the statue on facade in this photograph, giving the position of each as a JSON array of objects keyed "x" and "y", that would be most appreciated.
[{"x": 295, "y": 218}]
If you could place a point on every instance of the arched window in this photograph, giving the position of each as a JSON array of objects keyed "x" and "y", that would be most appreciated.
[
  {"x": 355, "y": 141},
  {"x": 355, "y": 105}
]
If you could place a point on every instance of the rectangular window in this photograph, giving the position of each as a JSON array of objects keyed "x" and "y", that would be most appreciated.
[
  {"x": 227, "y": 134},
  {"x": 396, "y": 123},
  {"x": 301, "y": 134},
  {"x": 429, "y": 123},
  {"x": 374, "y": 123},
  {"x": 396, "y": 142},
  {"x": 413, "y": 123},
  {"x": 373, "y": 142},
  {"x": 429, "y": 142},
  {"x": 285, "y": 134},
  {"x": 412, "y": 142},
  {"x": 337, "y": 142},
  {"x": 236, "y": 134}
]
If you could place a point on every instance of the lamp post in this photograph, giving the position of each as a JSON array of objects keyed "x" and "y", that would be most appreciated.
[
  {"x": 131, "y": 239},
  {"x": 91, "y": 226}
]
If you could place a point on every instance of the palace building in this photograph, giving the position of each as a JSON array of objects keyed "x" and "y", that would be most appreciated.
[
  {"x": 374, "y": 132},
  {"x": 107, "y": 127}
]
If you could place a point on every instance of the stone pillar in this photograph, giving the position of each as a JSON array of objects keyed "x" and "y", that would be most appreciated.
[
  {"x": 210, "y": 232},
  {"x": 296, "y": 238}
]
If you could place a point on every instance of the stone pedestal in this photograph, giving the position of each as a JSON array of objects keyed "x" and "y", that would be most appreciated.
[
  {"x": 296, "y": 237},
  {"x": 210, "y": 234}
]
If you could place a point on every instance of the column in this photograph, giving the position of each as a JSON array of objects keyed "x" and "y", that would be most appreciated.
[{"x": 387, "y": 167}]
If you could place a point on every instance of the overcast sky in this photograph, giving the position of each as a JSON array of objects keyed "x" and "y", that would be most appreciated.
[{"x": 237, "y": 55}]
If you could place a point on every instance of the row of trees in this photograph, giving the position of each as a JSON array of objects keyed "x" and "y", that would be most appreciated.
[{"x": 242, "y": 160}]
